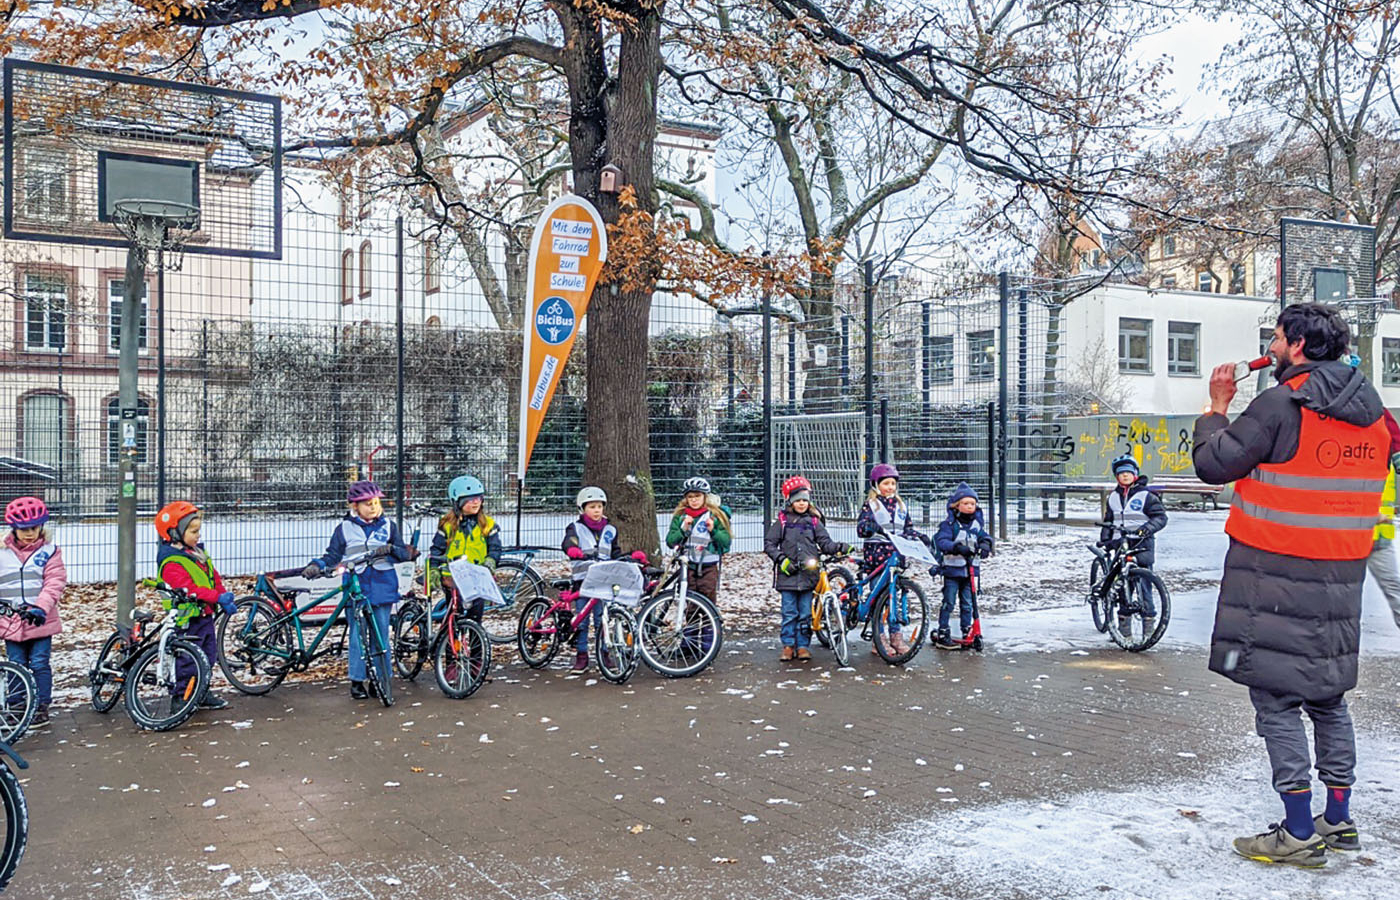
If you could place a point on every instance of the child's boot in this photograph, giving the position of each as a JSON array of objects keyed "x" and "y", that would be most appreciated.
[
  {"x": 787, "y": 654},
  {"x": 944, "y": 640},
  {"x": 580, "y": 663},
  {"x": 357, "y": 690},
  {"x": 804, "y": 655}
]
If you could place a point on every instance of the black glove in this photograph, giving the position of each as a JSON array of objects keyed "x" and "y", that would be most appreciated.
[
  {"x": 313, "y": 570},
  {"x": 985, "y": 551},
  {"x": 381, "y": 552},
  {"x": 1141, "y": 533},
  {"x": 412, "y": 553},
  {"x": 786, "y": 566},
  {"x": 34, "y": 615}
]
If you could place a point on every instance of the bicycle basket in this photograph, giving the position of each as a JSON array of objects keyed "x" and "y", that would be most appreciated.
[
  {"x": 475, "y": 581},
  {"x": 604, "y": 577}
]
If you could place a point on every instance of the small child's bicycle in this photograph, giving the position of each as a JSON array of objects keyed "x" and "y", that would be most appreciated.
[
  {"x": 459, "y": 647},
  {"x": 891, "y": 606},
  {"x": 681, "y": 630},
  {"x": 1117, "y": 589},
  {"x": 546, "y": 626},
  {"x": 828, "y": 619},
  {"x": 18, "y": 693},
  {"x": 16, "y": 812},
  {"x": 141, "y": 664},
  {"x": 263, "y": 640}
]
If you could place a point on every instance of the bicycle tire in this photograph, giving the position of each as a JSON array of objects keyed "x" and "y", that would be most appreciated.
[
  {"x": 144, "y": 710},
  {"x": 411, "y": 650},
  {"x": 16, "y": 810},
  {"x": 107, "y": 676},
  {"x": 241, "y": 646},
  {"x": 684, "y": 647},
  {"x": 907, "y": 591},
  {"x": 841, "y": 579},
  {"x": 17, "y": 700},
  {"x": 834, "y": 622},
  {"x": 376, "y": 657},
  {"x": 1142, "y": 640},
  {"x": 616, "y": 643},
  {"x": 462, "y": 669},
  {"x": 537, "y": 649},
  {"x": 1098, "y": 604},
  {"x": 502, "y": 623}
]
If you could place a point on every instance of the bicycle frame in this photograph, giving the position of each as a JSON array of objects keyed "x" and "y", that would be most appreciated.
[
  {"x": 559, "y": 606},
  {"x": 305, "y": 654}
]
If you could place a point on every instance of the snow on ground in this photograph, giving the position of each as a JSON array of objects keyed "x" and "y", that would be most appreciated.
[{"x": 1164, "y": 841}]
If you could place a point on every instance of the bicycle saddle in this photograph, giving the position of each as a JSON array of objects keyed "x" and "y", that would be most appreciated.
[{"x": 142, "y": 615}]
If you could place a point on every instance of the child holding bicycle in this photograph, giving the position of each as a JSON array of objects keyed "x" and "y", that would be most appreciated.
[
  {"x": 703, "y": 527},
  {"x": 466, "y": 532},
  {"x": 1133, "y": 507},
  {"x": 587, "y": 539},
  {"x": 32, "y": 578},
  {"x": 795, "y": 542},
  {"x": 366, "y": 529},
  {"x": 883, "y": 514},
  {"x": 185, "y": 565},
  {"x": 961, "y": 536}
]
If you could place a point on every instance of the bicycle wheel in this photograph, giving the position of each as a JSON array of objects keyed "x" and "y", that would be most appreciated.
[
  {"x": 107, "y": 676},
  {"x": 834, "y": 627},
  {"x": 16, "y": 812},
  {"x": 17, "y": 700},
  {"x": 842, "y": 580},
  {"x": 376, "y": 657},
  {"x": 617, "y": 645},
  {"x": 1127, "y": 625},
  {"x": 900, "y": 622},
  {"x": 461, "y": 658},
  {"x": 679, "y": 637},
  {"x": 538, "y": 638},
  {"x": 254, "y": 648},
  {"x": 158, "y": 696},
  {"x": 410, "y": 627},
  {"x": 519, "y": 584},
  {"x": 1098, "y": 605}
]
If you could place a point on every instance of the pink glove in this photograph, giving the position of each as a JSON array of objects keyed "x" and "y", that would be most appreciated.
[
  {"x": 574, "y": 553},
  {"x": 639, "y": 557}
]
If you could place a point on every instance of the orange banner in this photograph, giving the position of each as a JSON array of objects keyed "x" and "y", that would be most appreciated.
[{"x": 567, "y": 251}]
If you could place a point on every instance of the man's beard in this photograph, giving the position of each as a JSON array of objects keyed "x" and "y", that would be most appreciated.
[{"x": 1285, "y": 362}]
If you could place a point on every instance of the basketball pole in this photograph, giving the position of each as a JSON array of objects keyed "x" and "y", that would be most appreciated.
[{"x": 132, "y": 288}]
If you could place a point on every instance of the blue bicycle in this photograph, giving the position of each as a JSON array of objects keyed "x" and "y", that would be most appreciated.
[{"x": 889, "y": 606}]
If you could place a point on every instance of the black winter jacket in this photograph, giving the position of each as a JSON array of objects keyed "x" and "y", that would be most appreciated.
[
  {"x": 798, "y": 538},
  {"x": 1286, "y": 624},
  {"x": 1146, "y": 551}
]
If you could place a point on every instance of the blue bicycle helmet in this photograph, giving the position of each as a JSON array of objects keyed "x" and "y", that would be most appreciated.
[
  {"x": 464, "y": 487},
  {"x": 1125, "y": 463}
]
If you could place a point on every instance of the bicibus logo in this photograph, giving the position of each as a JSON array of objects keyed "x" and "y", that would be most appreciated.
[{"x": 554, "y": 322}]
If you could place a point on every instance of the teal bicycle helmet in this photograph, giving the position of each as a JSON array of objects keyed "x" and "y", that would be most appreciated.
[{"x": 464, "y": 487}]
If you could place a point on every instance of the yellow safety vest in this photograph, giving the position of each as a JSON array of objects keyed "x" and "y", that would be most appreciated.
[
  {"x": 1386, "y": 529},
  {"x": 471, "y": 545}
]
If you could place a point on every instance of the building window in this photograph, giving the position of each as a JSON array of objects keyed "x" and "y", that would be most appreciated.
[
  {"x": 1183, "y": 348},
  {"x": 1204, "y": 282},
  {"x": 1169, "y": 246},
  {"x": 1135, "y": 345},
  {"x": 940, "y": 359},
  {"x": 1390, "y": 361},
  {"x": 364, "y": 269},
  {"x": 1168, "y": 281},
  {"x": 114, "y": 430},
  {"x": 432, "y": 267},
  {"x": 44, "y": 436},
  {"x": 1237, "y": 278},
  {"x": 347, "y": 276},
  {"x": 981, "y": 363},
  {"x": 44, "y": 178},
  {"x": 116, "y": 290},
  {"x": 45, "y": 312}
]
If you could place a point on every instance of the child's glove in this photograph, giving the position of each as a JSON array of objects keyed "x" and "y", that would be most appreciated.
[
  {"x": 785, "y": 566},
  {"x": 489, "y": 563},
  {"x": 34, "y": 615},
  {"x": 847, "y": 549},
  {"x": 313, "y": 570},
  {"x": 574, "y": 553},
  {"x": 984, "y": 551},
  {"x": 639, "y": 557},
  {"x": 226, "y": 603},
  {"x": 412, "y": 553}
]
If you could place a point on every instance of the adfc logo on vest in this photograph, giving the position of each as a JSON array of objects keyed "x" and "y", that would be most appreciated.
[
  {"x": 1330, "y": 453},
  {"x": 555, "y": 321}
]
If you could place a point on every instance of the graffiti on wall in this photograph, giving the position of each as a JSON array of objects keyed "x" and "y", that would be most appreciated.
[{"x": 1160, "y": 444}]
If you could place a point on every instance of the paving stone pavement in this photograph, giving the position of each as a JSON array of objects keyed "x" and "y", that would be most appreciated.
[{"x": 755, "y": 778}]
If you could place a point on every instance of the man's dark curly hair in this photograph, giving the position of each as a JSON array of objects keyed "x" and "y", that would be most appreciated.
[{"x": 1325, "y": 334}]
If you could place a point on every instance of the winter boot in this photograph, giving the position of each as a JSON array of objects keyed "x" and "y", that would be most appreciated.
[
  {"x": 357, "y": 690},
  {"x": 211, "y": 700},
  {"x": 944, "y": 640},
  {"x": 41, "y": 716},
  {"x": 787, "y": 655},
  {"x": 580, "y": 663},
  {"x": 1341, "y": 836},
  {"x": 1278, "y": 846},
  {"x": 804, "y": 655},
  {"x": 898, "y": 644}
]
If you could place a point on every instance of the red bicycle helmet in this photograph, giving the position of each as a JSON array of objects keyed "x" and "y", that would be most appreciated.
[
  {"x": 173, "y": 517},
  {"x": 796, "y": 483},
  {"x": 26, "y": 512}
]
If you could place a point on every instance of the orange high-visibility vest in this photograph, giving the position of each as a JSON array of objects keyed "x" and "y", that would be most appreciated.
[{"x": 1322, "y": 503}]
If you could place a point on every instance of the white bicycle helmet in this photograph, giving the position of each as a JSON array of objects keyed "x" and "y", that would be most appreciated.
[
  {"x": 695, "y": 485},
  {"x": 590, "y": 494}
]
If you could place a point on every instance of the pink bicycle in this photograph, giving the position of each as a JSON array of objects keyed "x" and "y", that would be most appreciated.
[{"x": 546, "y": 625}]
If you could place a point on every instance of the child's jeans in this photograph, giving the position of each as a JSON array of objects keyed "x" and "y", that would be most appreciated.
[
  {"x": 596, "y": 616},
  {"x": 959, "y": 591},
  {"x": 1144, "y": 592},
  {"x": 797, "y": 618},
  {"x": 33, "y": 654},
  {"x": 357, "y": 658},
  {"x": 199, "y": 632}
]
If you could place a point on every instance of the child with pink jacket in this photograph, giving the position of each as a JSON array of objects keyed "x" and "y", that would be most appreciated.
[{"x": 32, "y": 578}]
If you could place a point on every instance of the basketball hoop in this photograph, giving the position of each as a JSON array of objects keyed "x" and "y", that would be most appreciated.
[
  {"x": 1363, "y": 313},
  {"x": 162, "y": 225}
]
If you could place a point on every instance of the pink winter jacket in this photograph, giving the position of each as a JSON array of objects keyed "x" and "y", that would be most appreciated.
[{"x": 12, "y": 628}]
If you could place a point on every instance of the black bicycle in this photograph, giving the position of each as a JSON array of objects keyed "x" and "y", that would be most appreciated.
[
  {"x": 1128, "y": 602},
  {"x": 16, "y": 813}
]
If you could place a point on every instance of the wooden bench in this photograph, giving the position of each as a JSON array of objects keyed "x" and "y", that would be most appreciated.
[
  {"x": 1161, "y": 485},
  {"x": 1057, "y": 491}
]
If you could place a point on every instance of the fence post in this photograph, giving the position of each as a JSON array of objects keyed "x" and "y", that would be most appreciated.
[
  {"x": 1004, "y": 297},
  {"x": 885, "y": 429},
  {"x": 1022, "y": 389},
  {"x": 133, "y": 289},
  {"x": 767, "y": 408},
  {"x": 204, "y": 409},
  {"x": 792, "y": 369},
  {"x": 398, "y": 326},
  {"x": 994, "y": 495},
  {"x": 160, "y": 377},
  {"x": 869, "y": 277}
]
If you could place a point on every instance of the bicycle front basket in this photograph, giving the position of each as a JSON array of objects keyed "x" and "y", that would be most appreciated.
[{"x": 603, "y": 577}]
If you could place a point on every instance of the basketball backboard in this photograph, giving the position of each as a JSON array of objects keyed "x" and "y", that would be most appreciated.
[
  {"x": 1326, "y": 262},
  {"x": 78, "y": 143}
]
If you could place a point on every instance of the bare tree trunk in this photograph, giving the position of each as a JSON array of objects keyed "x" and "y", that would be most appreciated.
[{"x": 822, "y": 391}]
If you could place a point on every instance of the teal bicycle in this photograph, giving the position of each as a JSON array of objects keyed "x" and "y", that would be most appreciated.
[{"x": 263, "y": 639}]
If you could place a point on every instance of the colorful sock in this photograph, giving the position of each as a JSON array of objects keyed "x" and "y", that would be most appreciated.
[
  {"x": 1297, "y": 813},
  {"x": 1338, "y": 804}
]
